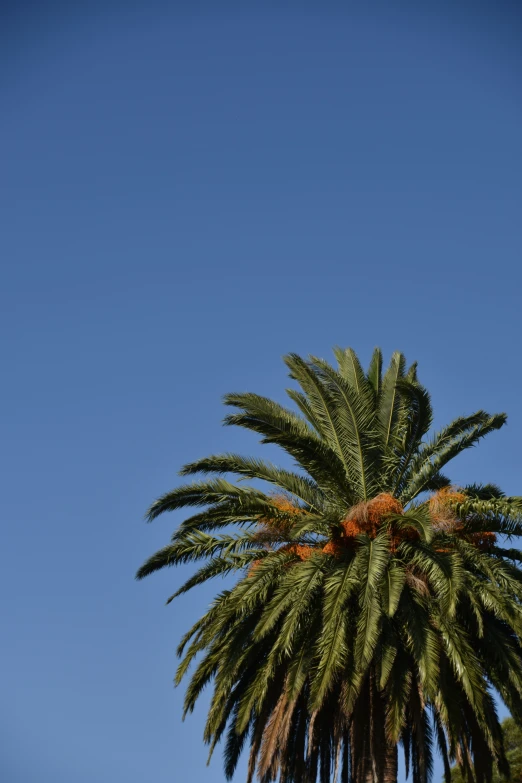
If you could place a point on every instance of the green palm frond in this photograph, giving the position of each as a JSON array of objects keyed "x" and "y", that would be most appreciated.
[
  {"x": 374, "y": 374},
  {"x": 202, "y": 493},
  {"x": 354, "y": 416},
  {"x": 303, "y": 488},
  {"x": 195, "y": 546},
  {"x": 376, "y": 554},
  {"x": 281, "y": 426},
  {"x": 415, "y": 418},
  {"x": 430, "y": 461},
  {"x": 320, "y": 402},
  {"x": 339, "y": 586},
  {"x": 390, "y": 399}
]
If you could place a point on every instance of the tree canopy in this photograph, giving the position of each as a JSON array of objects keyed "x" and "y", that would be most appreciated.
[{"x": 377, "y": 605}]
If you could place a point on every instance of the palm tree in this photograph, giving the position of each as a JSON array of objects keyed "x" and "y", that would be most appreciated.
[{"x": 376, "y": 605}]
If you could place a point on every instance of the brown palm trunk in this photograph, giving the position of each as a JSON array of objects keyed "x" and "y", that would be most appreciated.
[
  {"x": 390, "y": 766},
  {"x": 379, "y": 766},
  {"x": 374, "y": 759}
]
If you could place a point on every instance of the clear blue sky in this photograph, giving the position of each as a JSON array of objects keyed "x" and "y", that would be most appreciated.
[{"x": 186, "y": 196}]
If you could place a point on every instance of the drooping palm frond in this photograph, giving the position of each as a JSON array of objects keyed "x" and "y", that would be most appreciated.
[
  {"x": 301, "y": 487},
  {"x": 203, "y": 493}
]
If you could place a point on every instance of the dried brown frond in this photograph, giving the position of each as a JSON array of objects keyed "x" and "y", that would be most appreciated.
[
  {"x": 445, "y": 519},
  {"x": 441, "y": 505},
  {"x": 417, "y": 583},
  {"x": 275, "y": 736}
]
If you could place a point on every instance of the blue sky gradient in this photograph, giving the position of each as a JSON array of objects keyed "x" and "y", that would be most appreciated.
[{"x": 186, "y": 196}]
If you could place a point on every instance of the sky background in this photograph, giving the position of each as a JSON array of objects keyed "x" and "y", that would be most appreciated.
[{"x": 186, "y": 196}]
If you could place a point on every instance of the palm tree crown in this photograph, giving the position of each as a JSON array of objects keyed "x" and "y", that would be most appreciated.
[{"x": 376, "y": 606}]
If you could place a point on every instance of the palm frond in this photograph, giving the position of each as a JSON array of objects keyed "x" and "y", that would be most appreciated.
[
  {"x": 430, "y": 460},
  {"x": 281, "y": 426},
  {"x": 302, "y": 487},
  {"x": 202, "y": 493},
  {"x": 389, "y": 398},
  {"x": 353, "y": 414},
  {"x": 374, "y": 374}
]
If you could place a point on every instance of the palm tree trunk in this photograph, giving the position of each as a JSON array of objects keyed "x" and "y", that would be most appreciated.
[
  {"x": 380, "y": 765},
  {"x": 390, "y": 765},
  {"x": 374, "y": 758}
]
